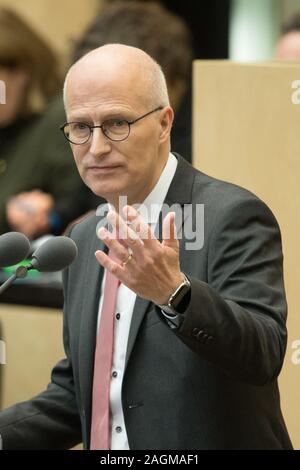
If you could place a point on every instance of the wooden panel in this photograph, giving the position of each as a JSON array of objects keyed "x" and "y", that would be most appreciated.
[
  {"x": 247, "y": 131},
  {"x": 34, "y": 345},
  {"x": 33, "y": 338}
]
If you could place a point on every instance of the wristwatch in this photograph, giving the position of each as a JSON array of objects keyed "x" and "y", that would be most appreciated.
[{"x": 179, "y": 300}]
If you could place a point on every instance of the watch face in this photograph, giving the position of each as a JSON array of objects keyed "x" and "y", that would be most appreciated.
[{"x": 181, "y": 298}]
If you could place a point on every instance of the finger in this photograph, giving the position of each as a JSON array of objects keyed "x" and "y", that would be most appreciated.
[
  {"x": 169, "y": 231},
  {"x": 118, "y": 250},
  {"x": 140, "y": 227},
  {"x": 113, "y": 267},
  {"x": 124, "y": 233}
]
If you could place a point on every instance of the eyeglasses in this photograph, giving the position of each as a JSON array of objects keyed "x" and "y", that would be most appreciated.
[{"x": 79, "y": 133}]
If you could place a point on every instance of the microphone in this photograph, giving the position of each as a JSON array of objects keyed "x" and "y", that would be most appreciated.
[
  {"x": 14, "y": 247},
  {"x": 54, "y": 255}
]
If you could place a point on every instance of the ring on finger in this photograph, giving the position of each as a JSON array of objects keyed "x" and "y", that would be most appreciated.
[{"x": 130, "y": 256}]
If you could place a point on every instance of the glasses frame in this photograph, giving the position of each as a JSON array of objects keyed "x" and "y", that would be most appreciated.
[{"x": 62, "y": 128}]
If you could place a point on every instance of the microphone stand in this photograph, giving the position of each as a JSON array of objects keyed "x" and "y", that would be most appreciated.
[{"x": 19, "y": 273}]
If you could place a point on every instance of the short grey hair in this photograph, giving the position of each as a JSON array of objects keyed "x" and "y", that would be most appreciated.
[{"x": 155, "y": 84}]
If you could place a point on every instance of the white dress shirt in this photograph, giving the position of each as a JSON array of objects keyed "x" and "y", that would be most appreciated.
[{"x": 124, "y": 309}]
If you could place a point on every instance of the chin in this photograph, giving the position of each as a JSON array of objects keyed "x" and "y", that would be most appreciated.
[
  {"x": 108, "y": 186},
  {"x": 107, "y": 191}
]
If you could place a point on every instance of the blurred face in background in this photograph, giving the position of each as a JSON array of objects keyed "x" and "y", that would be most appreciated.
[
  {"x": 288, "y": 47},
  {"x": 16, "y": 82}
]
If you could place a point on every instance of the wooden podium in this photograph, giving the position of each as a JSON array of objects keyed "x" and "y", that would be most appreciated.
[
  {"x": 34, "y": 345},
  {"x": 246, "y": 130}
]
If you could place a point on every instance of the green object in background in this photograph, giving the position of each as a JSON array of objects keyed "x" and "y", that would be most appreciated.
[{"x": 11, "y": 269}]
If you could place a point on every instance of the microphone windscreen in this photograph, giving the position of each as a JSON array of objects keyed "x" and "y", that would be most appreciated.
[
  {"x": 14, "y": 247},
  {"x": 55, "y": 254}
]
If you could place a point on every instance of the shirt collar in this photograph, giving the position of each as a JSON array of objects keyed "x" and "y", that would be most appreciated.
[{"x": 154, "y": 201}]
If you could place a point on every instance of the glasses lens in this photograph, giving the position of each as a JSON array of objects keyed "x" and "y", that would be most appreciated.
[
  {"x": 77, "y": 132},
  {"x": 116, "y": 129}
]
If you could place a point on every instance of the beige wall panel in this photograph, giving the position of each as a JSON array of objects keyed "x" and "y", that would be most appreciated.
[
  {"x": 247, "y": 131},
  {"x": 33, "y": 338}
]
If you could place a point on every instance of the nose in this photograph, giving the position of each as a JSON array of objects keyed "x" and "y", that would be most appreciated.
[{"x": 99, "y": 143}]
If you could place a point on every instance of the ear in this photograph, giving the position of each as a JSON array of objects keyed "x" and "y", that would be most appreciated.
[{"x": 166, "y": 121}]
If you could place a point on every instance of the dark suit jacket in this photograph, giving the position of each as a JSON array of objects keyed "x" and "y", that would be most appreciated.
[{"x": 211, "y": 383}]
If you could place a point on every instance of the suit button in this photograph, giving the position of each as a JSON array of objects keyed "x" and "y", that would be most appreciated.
[
  {"x": 135, "y": 405},
  {"x": 195, "y": 332},
  {"x": 200, "y": 335},
  {"x": 209, "y": 339}
]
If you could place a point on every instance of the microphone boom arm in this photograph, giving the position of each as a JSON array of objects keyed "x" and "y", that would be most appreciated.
[{"x": 19, "y": 273}]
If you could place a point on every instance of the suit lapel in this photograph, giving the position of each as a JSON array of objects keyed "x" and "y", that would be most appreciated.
[
  {"x": 88, "y": 327},
  {"x": 180, "y": 193},
  {"x": 141, "y": 306}
]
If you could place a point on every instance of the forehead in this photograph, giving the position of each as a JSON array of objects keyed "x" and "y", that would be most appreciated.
[{"x": 101, "y": 93}]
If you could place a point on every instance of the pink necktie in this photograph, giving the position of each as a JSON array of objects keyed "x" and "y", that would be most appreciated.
[{"x": 100, "y": 429}]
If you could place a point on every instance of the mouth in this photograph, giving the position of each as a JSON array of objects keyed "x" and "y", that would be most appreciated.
[{"x": 103, "y": 169}]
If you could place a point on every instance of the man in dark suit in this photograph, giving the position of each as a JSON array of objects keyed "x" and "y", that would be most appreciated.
[{"x": 199, "y": 325}]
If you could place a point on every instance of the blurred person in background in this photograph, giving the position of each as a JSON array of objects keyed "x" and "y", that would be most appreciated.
[
  {"x": 37, "y": 175},
  {"x": 288, "y": 46}
]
